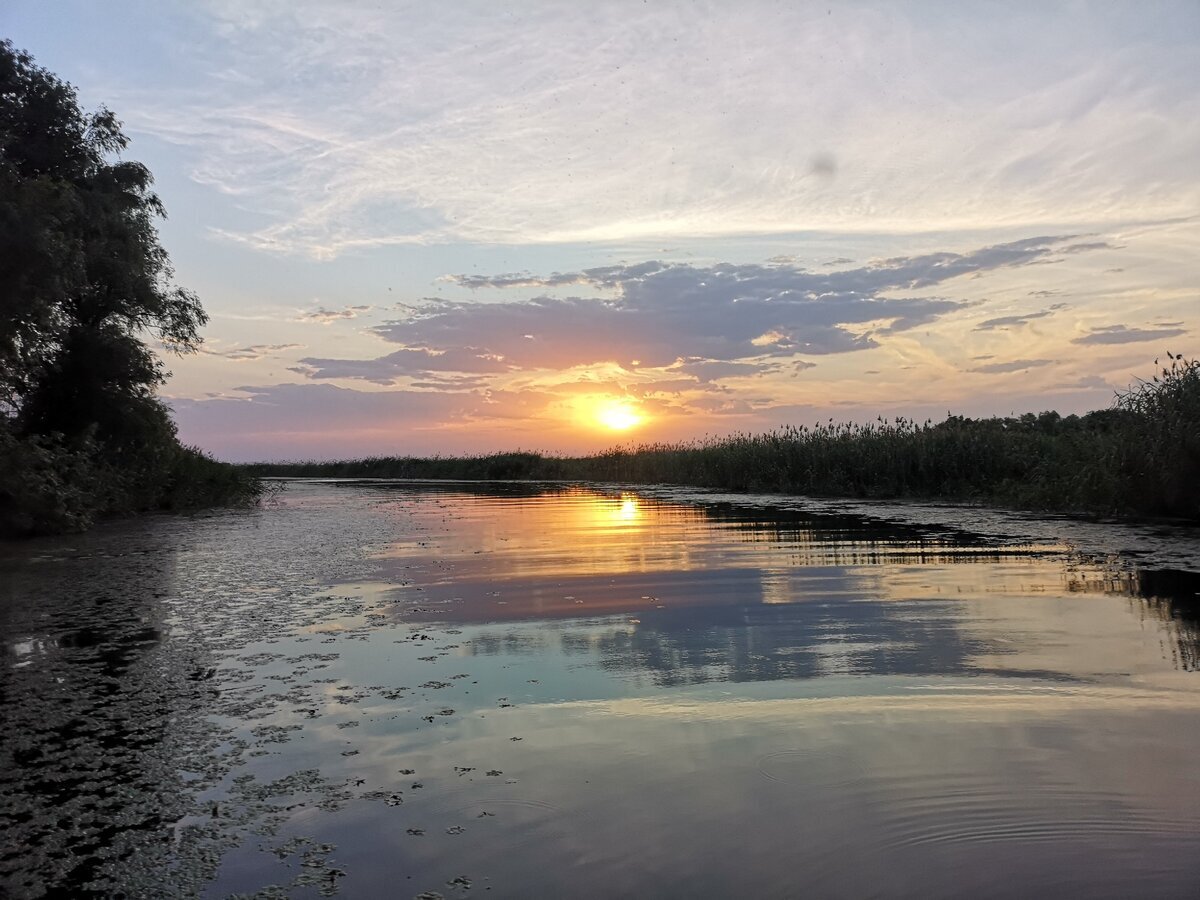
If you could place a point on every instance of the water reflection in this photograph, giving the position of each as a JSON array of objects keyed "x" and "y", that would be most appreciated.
[
  {"x": 721, "y": 593},
  {"x": 628, "y": 511},
  {"x": 88, "y": 702},
  {"x": 1173, "y": 596},
  {"x": 118, "y": 652},
  {"x": 550, "y": 691}
]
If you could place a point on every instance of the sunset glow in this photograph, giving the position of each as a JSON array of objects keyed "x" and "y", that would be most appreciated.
[
  {"x": 401, "y": 254},
  {"x": 618, "y": 416}
]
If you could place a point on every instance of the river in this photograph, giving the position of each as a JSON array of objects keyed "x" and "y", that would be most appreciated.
[{"x": 416, "y": 689}]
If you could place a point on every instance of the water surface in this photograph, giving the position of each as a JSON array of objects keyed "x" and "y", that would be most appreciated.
[{"x": 389, "y": 689}]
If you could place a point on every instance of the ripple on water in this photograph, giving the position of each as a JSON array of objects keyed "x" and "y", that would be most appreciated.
[
  {"x": 809, "y": 767},
  {"x": 912, "y": 809},
  {"x": 952, "y": 811}
]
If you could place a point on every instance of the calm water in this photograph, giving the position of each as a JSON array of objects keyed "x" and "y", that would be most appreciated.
[{"x": 385, "y": 690}]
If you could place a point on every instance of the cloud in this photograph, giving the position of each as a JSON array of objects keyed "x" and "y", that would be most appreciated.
[
  {"x": 247, "y": 353},
  {"x": 658, "y": 313},
  {"x": 523, "y": 280},
  {"x": 667, "y": 320},
  {"x": 451, "y": 383},
  {"x": 1088, "y": 382},
  {"x": 677, "y": 386},
  {"x": 323, "y": 316},
  {"x": 911, "y": 272},
  {"x": 585, "y": 385},
  {"x": 288, "y": 407},
  {"x": 1017, "y": 365},
  {"x": 707, "y": 371},
  {"x": 653, "y": 330},
  {"x": 409, "y": 362},
  {"x": 1023, "y": 319},
  {"x": 1087, "y": 246},
  {"x": 1121, "y": 334},
  {"x": 371, "y": 126},
  {"x": 251, "y": 352},
  {"x": 345, "y": 420},
  {"x": 291, "y": 421}
]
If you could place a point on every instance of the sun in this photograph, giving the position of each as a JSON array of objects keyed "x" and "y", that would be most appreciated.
[{"x": 618, "y": 415}]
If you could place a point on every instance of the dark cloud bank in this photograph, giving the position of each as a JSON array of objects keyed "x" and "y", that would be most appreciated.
[{"x": 657, "y": 314}]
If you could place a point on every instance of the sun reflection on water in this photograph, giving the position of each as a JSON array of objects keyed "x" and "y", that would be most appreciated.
[{"x": 628, "y": 511}]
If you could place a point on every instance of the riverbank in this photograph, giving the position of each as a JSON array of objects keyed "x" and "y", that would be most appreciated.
[{"x": 1139, "y": 458}]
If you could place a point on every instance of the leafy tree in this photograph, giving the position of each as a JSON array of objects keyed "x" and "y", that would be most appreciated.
[
  {"x": 82, "y": 273},
  {"x": 83, "y": 282}
]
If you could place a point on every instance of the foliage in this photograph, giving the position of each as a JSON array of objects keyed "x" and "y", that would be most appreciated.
[
  {"x": 50, "y": 486},
  {"x": 47, "y": 487},
  {"x": 1163, "y": 457},
  {"x": 1141, "y": 457},
  {"x": 83, "y": 279}
]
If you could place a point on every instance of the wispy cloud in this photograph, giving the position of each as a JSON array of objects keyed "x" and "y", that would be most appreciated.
[
  {"x": 1002, "y": 322},
  {"x": 1088, "y": 383},
  {"x": 1016, "y": 365},
  {"x": 251, "y": 352},
  {"x": 416, "y": 362},
  {"x": 323, "y": 316},
  {"x": 1122, "y": 334},
  {"x": 706, "y": 371},
  {"x": 371, "y": 126}
]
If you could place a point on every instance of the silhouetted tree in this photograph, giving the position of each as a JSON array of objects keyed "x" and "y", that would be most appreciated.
[
  {"x": 83, "y": 283},
  {"x": 81, "y": 270}
]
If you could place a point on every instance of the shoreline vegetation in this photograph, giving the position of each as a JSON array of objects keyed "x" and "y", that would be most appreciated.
[
  {"x": 56, "y": 485},
  {"x": 1141, "y": 457}
]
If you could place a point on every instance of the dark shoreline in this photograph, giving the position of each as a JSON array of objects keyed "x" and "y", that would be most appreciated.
[{"x": 1107, "y": 463}]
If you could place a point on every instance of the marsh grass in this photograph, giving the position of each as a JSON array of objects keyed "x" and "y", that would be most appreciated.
[{"x": 1140, "y": 457}]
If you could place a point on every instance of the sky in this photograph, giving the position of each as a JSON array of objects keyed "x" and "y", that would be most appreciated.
[{"x": 433, "y": 228}]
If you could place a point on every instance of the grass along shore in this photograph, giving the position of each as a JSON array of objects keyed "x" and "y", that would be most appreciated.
[{"x": 1139, "y": 458}]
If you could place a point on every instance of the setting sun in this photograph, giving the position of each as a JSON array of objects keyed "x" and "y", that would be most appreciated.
[{"x": 618, "y": 416}]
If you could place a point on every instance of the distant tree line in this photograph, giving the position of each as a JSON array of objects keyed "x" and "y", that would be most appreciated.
[
  {"x": 83, "y": 283},
  {"x": 1139, "y": 458}
]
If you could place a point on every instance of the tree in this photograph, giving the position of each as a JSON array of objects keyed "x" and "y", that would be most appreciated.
[
  {"x": 82, "y": 274},
  {"x": 83, "y": 283}
]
